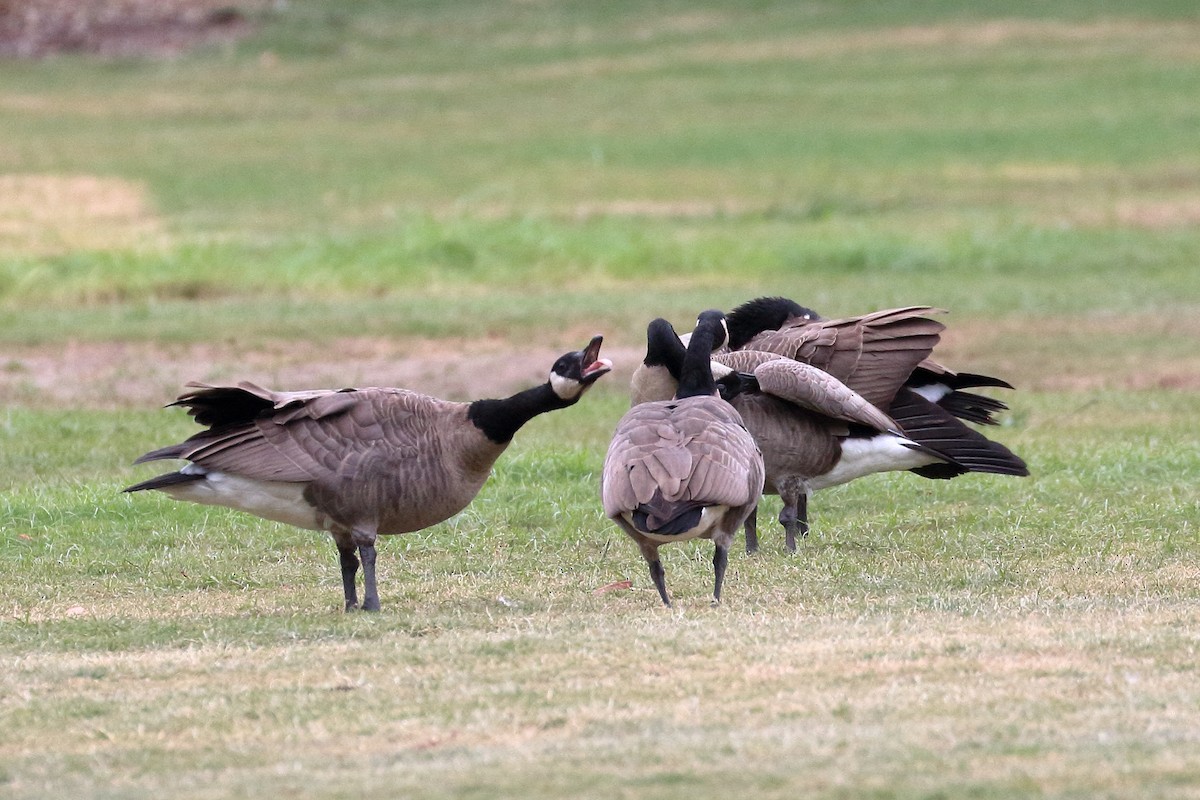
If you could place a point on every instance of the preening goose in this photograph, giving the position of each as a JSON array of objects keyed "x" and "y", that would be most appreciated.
[
  {"x": 800, "y": 417},
  {"x": 684, "y": 467},
  {"x": 780, "y": 325},
  {"x": 356, "y": 463}
]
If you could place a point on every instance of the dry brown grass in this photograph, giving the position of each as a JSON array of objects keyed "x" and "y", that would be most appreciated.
[
  {"x": 53, "y": 214},
  {"x": 1055, "y": 701},
  {"x": 126, "y": 374}
]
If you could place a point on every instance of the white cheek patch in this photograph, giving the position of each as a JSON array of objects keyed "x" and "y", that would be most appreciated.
[{"x": 565, "y": 388}]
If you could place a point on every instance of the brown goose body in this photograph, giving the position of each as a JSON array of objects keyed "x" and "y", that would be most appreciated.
[
  {"x": 886, "y": 357},
  {"x": 389, "y": 460},
  {"x": 684, "y": 467},
  {"x": 356, "y": 463},
  {"x": 802, "y": 419}
]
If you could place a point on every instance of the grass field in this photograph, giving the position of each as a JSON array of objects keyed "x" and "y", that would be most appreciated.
[{"x": 449, "y": 194}]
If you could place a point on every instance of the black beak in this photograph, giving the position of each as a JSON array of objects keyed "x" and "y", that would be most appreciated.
[
  {"x": 592, "y": 365},
  {"x": 736, "y": 383}
]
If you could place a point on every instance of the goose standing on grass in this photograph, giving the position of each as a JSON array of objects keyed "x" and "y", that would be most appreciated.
[
  {"x": 814, "y": 427},
  {"x": 685, "y": 467},
  {"x": 356, "y": 463}
]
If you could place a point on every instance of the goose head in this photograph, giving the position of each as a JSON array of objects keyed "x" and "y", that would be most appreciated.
[
  {"x": 714, "y": 323},
  {"x": 574, "y": 373}
]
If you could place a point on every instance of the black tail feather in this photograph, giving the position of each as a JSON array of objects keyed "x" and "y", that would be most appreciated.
[
  {"x": 969, "y": 380},
  {"x": 973, "y": 407},
  {"x": 955, "y": 380},
  {"x": 219, "y": 406},
  {"x": 970, "y": 406},
  {"x": 162, "y": 453},
  {"x": 162, "y": 481},
  {"x": 966, "y": 450},
  {"x": 667, "y": 518}
]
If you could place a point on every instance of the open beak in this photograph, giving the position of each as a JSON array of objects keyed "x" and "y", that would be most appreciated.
[{"x": 593, "y": 365}]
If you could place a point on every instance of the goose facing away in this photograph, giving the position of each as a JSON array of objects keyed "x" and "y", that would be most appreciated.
[
  {"x": 356, "y": 463},
  {"x": 684, "y": 467}
]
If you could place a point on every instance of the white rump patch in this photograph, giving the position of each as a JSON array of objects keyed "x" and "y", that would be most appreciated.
[
  {"x": 719, "y": 370},
  {"x": 933, "y": 392},
  {"x": 282, "y": 502},
  {"x": 883, "y": 453}
]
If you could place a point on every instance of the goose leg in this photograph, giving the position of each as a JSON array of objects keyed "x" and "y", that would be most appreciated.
[
  {"x": 649, "y": 552},
  {"x": 751, "y": 525},
  {"x": 366, "y": 552},
  {"x": 720, "y": 562},
  {"x": 657, "y": 574},
  {"x": 794, "y": 516},
  {"x": 660, "y": 581},
  {"x": 349, "y": 570}
]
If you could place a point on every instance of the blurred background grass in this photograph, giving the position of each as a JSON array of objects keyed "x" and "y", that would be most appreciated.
[{"x": 429, "y": 168}]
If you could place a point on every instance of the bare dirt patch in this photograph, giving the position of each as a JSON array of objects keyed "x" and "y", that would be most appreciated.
[
  {"x": 120, "y": 28},
  {"x": 145, "y": 374},
  {"x": 48, "y": 214},
  {"x": 1055, "y": 354},
  {"x": 1159, "y": 214}
]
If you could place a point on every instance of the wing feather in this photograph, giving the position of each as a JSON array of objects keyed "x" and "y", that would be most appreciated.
[
  {"x": 320, "y": 435},
  {"x": 817, "y": 390},
  {"x": 873, "y": 354}
]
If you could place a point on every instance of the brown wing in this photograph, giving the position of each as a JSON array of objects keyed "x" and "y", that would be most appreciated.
[
  {"x": 817, "y": 390},
  {"x": 872, "y": 354},
  {"x": 309, "y": 436}
]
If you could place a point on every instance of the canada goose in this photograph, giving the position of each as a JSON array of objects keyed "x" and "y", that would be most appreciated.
[
  {"x": 800, "y": 418},
  {"x": 685, "y": 467},
  {"x": 356, "y": 463},
  {"x": 780, "y": 325},
  {"x": 865, "y": 352}
]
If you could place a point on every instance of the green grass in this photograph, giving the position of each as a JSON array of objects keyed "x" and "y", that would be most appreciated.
[
  {"x": 986, "y": 636},
  {"x": 505, "y": 173}
]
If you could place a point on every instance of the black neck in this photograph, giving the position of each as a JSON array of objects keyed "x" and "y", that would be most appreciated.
[
  {"x": 663, "y": 348},
  {"x": 696, "y": 378},
  {"x": 500, "y": 419}
]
